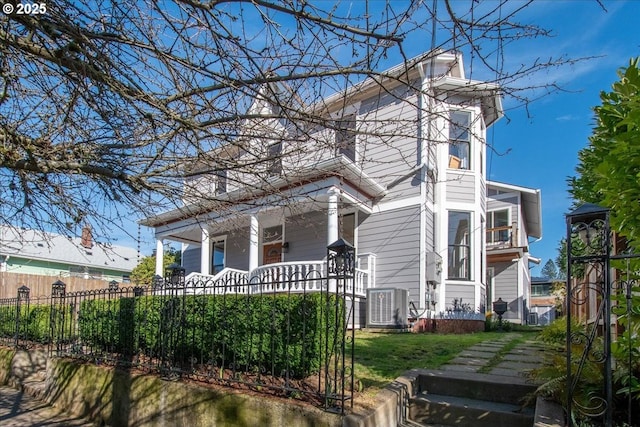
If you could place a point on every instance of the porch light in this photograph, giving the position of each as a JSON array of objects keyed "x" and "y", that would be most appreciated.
[{"x": 285, "y": 247}]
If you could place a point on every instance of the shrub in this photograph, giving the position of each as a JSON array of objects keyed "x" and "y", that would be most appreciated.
[{"x": 263, "y": 333}]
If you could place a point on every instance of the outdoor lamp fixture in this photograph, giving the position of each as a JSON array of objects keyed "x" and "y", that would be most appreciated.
[
  {"x": 176, "y": 274},
  {"x": 156, "y": 281},
  {"x": 58, "y": 288},
  {"x": 500, "y": 308},
  {"x": 113, "y": 286},
  {"x": 285, "y": 247},
  {"x": 23, "y": 293},
  {"x": 340, "y": 255}
]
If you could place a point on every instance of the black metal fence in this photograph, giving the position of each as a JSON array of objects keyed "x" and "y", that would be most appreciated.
[{"x": 270, "y": 334}]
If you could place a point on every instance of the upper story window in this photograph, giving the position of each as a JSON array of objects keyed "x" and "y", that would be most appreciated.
[
  {"x": 459, "y": 236},
  {"x": 498, "y": 228},
  {"x": 459, "y": 139},
  {"x": 346, "y": 137},
  {"x": 541, "y": 289},
  {"x": 221, "y": 181},
  {"x": 274, "y": 162}
]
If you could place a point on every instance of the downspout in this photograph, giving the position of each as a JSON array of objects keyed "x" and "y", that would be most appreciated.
[{"x": 421, "y": 165}]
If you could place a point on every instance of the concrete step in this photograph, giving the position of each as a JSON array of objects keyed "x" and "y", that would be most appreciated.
[
  {"x": 482, "y": 387},
  {"x": 433, "y": 409}
]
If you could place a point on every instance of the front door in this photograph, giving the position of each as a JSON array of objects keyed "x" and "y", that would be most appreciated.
[{"x": 271, "y": 253}]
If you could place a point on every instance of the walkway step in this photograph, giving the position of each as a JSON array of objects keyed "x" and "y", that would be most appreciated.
[
  {"x": 429, "y": 409},
  {"x": 494, "y": 388}
]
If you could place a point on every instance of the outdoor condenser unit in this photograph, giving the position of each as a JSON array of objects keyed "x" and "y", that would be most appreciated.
[{"x": 387, "y": 308}]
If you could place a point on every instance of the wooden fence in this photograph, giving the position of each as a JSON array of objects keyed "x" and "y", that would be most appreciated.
[{"x": 41, "y": 285}]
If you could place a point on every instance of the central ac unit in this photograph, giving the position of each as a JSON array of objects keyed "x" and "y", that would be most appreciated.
[{"x": 387, "y": 308}]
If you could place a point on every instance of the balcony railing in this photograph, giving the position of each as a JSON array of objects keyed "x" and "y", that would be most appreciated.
[{"x": 504, "y": 236}]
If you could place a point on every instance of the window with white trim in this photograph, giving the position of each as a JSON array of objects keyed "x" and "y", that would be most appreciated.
[
  {"x": 459, "y": 139},
  {"x": 459, "y": 237},
  {"x": 218, "y": 256}
]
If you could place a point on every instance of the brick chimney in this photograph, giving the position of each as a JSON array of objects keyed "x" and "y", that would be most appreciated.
[{"x": 86, "y": 240}]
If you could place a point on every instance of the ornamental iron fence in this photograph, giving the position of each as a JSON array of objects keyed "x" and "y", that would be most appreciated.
[{"x": 235, "y": 331}]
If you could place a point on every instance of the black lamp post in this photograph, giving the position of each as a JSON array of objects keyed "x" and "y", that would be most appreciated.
[
  {"x": 113, "y": 286},
  {"x": 340, "y": 293},
  {"x": 58, "y": 289},
  {"x": 588, "y": 284},
  {"x": 23, "y": 296},
  {"x": 500, "y": 308}
]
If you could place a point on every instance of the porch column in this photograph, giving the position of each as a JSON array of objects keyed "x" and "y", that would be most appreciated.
[
  {"x": 332, "y": 216},
  {"x": 253, "y": 242},
  {"x": 205, "y": 253},
  {"x": 159, "y": 257}
]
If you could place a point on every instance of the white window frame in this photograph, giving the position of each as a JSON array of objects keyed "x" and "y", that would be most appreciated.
[{"x": 456, "y": 160}]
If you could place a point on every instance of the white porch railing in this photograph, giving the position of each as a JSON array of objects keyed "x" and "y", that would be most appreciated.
[
  {"x": 229, "y": 280},
  {"x": 296, "y": 277}
]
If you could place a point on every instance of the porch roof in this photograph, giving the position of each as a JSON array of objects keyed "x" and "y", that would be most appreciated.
[{"x": 338, "y": 167}]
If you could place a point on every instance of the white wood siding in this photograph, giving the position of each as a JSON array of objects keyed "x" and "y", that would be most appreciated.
[
  {"x": 394, "y": 237},
  {"x": 461, "y": 187}
]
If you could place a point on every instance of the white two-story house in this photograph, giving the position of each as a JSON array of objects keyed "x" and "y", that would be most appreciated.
[{"x": 397, "y": 168}]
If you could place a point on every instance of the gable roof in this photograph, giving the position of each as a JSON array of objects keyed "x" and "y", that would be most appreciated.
[
  {"x": 531, "y": 201},
  {"x": 42, "y": 246}
]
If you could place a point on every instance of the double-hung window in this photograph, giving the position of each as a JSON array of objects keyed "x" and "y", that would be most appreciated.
[
  {"x": 459, "y": 139},
  {"x": 346, "y": 137},
  {"x": 274, "y": 165},
  {"x": 221, "y": 181},
  {"x": 459, "y": 245}
]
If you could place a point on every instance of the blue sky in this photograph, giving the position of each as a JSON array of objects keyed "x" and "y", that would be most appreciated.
[
  {"x": 543, "y": 142},
  {"x": 537, "y": 147}
]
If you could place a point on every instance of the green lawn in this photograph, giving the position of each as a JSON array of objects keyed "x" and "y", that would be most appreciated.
[{"x": 380, "y": 358}]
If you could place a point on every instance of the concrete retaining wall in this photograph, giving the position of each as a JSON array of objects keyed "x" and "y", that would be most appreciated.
[{"x": 121, "y": 398}]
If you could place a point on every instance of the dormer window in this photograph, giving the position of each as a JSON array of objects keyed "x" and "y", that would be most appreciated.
[
  {"x": 346, "y": 137},
  {"x": 459, "y": 139}
]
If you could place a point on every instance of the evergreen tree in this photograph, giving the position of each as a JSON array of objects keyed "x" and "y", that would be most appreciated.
[{"x": 549, "y": 270}]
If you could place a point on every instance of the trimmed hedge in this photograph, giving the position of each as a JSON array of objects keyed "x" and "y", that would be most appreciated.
[
  {"x": 275, "y": 334},
  {"x": 33, "y": 322}
]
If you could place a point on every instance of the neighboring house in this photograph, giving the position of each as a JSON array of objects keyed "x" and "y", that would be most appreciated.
[
  {"x": 47, "y": 254},
  {"x": 514, "y": 217},
  {"x": 543, "y": 301},
  {"x": 398, "y": 170}
]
